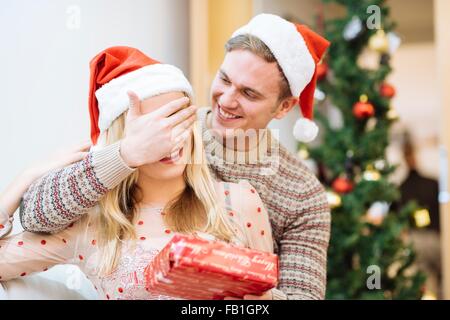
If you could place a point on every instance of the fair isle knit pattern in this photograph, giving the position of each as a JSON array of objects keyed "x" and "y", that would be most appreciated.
[
  {"x": 294, "y": 198},
  {"x": 63, "y": 196}
]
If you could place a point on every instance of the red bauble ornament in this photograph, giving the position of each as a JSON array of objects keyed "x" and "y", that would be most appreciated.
[
  {"x": 363, "y": 109},
  {"x": 387, "y": 90},
  {"x": 342, "y": 185},
  {"x": 322, "y": 70}
]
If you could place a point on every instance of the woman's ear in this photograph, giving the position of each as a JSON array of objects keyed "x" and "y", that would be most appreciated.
[{"x": 285, "y": 106}]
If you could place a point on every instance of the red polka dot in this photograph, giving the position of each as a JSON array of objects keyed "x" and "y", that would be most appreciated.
[
  {"x": 20, "y": 243},
  {"x": 64, "y": 240},
  {"x": 2, "y": 226},
  {"x": 141, "y": 223},
  {"x": 120, "y": 290},
  {"x": 107, "y": 296},
  {"x": 142, "y": 238},
  {"x": 94, "y": 242},
  {"x": 43, "y": 242},
  {"x": 231, "y": 213},
  {"x": 80, "y": 257},
  {"x": 167, "y": 231},
  {"x": 227, "y": 192},
  {"x": 249, "y": 224},
  {"x": 45, "y": 269},
  {"x": 70, "y": 225},
  {"x": 262, "y": 232},
  {"x": 252, "y": 190},
  {"x": 23, "y": 274},
  {"x": 259, "y": 209}
]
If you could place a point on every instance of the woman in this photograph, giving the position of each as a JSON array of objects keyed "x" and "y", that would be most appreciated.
[{"x": 114, "y": 242}]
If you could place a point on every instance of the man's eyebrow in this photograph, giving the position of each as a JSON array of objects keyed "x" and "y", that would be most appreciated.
[
  {"x": 223, "y": 74},
  {"x": 254, "y": 91}
]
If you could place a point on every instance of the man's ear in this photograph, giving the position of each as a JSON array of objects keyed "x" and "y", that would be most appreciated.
[{"x": 285, "y": 106}]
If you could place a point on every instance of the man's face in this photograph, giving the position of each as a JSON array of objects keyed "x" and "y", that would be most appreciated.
[{"x": 244, "y": 93}]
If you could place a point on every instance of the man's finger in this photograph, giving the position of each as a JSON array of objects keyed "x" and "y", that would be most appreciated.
[
  {"x": 171, "y": 107},
  {"x": 179, "y": 143},
  {"x": 182, "y": 116},
  {"x": 135, "y": 104},
  {"x": 83, "y": 147},
  {"x": 77, "y": 157},
  {"x": 182, "y": 126}
]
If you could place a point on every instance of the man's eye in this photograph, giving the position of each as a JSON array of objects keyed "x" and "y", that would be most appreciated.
[
  {"x": 249, "y": 94},
  {"x": 225, "y": 80}
]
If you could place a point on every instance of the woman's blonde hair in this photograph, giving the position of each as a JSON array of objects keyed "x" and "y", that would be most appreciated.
[{"x": 194, "y": 209}]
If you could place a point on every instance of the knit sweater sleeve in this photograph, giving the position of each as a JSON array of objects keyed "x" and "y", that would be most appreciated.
[
  {"x": 63, "y": 196},
  {"x": 304, "y": 244}
]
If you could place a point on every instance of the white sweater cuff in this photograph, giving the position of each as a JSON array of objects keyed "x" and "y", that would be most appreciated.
[{"x": 109, "y": 166}]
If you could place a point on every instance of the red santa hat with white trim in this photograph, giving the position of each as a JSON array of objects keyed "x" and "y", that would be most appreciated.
[
  {"x": 298, "y": 50},
  {"x": 117, "y": 70}
]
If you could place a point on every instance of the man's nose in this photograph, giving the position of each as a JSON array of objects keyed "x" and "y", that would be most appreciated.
[{"x": 228, "y": 99}]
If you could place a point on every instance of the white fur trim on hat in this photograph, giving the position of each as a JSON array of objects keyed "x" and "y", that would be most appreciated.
[
  {"x": 305, "y": 130},
  {"x": 146, "y": 82},
  {"x": 287, "y": 45}
]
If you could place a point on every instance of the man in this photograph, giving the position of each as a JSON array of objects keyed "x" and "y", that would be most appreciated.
[{"x": 269, "y": 67}]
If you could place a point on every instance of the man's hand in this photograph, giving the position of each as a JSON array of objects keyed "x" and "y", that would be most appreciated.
[
  {"x": 153, "y": 136},
  {"x": 58, "y": 160},
  {"x": 10, "y": 198},
  {"x": 265, "y": 296}
]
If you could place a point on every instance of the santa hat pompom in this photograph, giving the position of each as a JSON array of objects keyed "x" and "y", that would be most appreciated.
[{"x": 305, "y": 130}]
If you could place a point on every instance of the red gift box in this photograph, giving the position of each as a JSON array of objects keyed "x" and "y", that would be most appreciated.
[{"x": 192, "y": 268}]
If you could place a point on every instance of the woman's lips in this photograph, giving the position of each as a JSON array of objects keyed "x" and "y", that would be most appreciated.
[{"x": 170, "y": 160}]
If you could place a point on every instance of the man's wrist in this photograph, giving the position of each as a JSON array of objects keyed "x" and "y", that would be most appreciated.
[
  {"x": 123, "y": 152},
  {"x": 109, "y": 166}
]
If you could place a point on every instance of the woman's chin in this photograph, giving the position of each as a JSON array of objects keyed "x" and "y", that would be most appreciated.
[{"x": 162, "y": 171}]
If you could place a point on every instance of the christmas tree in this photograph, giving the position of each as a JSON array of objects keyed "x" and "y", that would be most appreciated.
[{"x": 368, "y": 257}]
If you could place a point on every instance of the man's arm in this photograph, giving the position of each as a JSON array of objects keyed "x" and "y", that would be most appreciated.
[
  {"x": 303, "y": 247},
  {"x": 63, "y": 196}
]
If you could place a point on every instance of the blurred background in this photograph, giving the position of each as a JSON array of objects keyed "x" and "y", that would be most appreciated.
[{"x": 47, "y": 45}]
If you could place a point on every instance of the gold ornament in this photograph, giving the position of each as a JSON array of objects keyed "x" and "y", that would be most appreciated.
[
  {"x": 369, "y": 59},
  {"x": 422, "y": 218},
  {"x": 334, "y": 200},
  {"x": 393, "y": 269},
  {"x": 371, "y": 174},
  {"x": 379, "y": 42},
  {"x": 392, "y": 114},
  {"x": 303, "y": 153}
]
